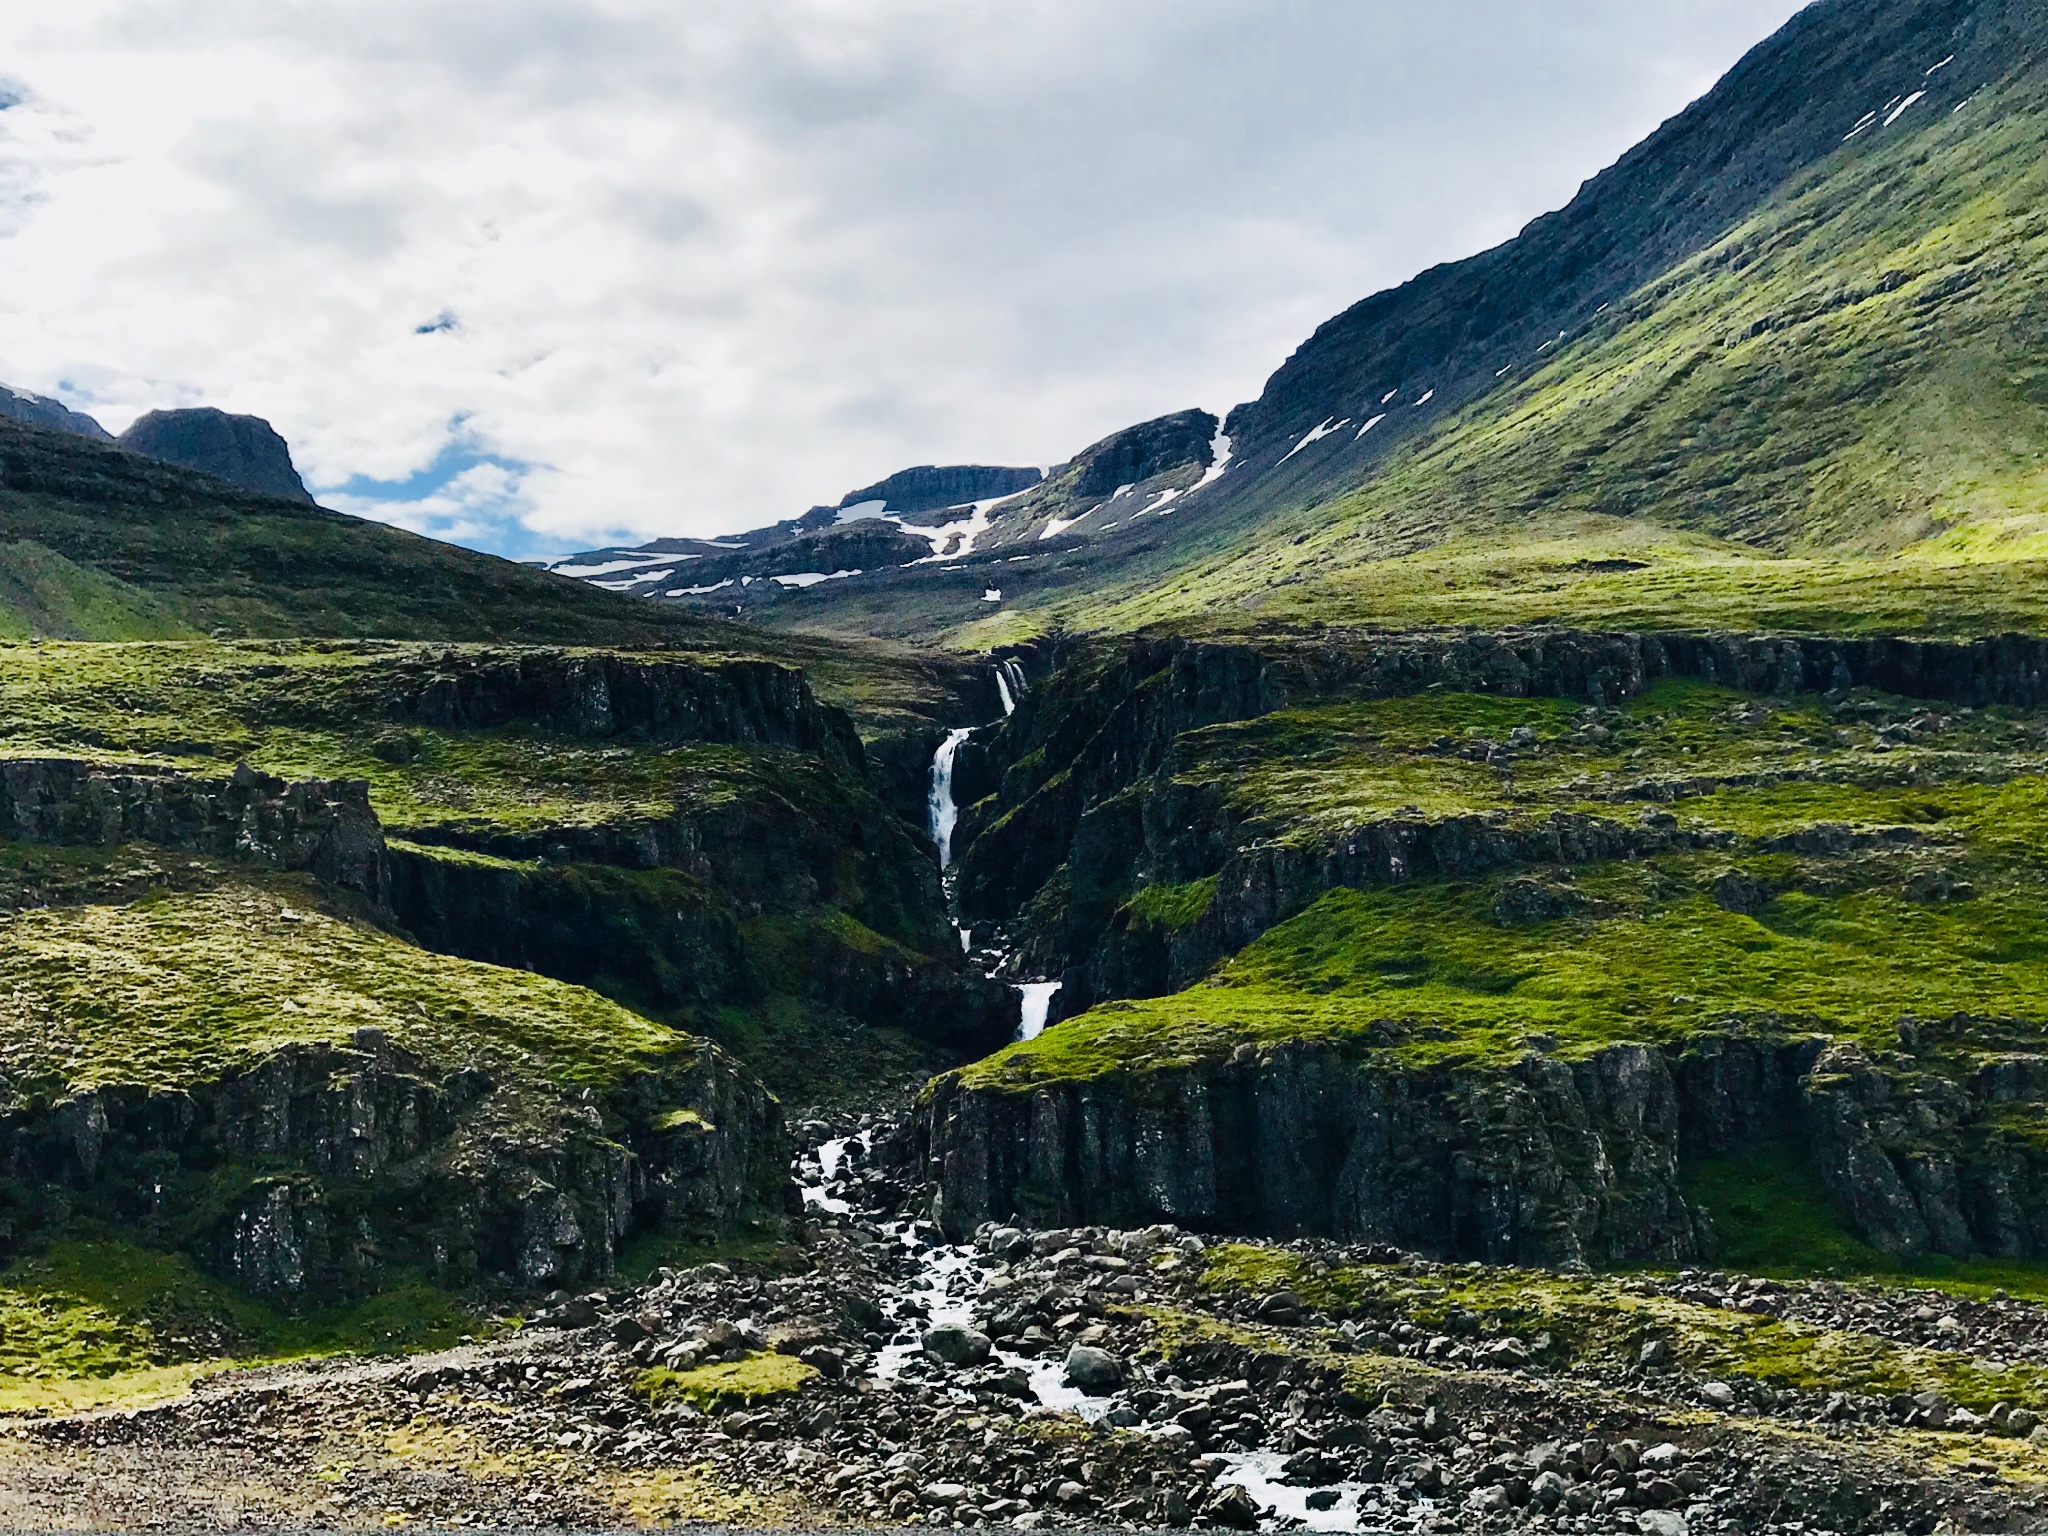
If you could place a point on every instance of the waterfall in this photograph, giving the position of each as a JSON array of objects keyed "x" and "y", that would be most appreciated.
[
  {"x": 944, "y": 813},
  {"x": 1037, "y": 997},
  {"x": 1010, "y": 683}
]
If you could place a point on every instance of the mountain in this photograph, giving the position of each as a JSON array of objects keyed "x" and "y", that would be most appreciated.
[
  {"x": 1774, "y": 366},
  {"x": 242, "y": 450},
  {"x": 768, "y": 575},
  {"x": 41, "y": 411}
]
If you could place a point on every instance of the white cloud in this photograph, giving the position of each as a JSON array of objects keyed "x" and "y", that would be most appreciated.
[{"x": 686, "y": 268}]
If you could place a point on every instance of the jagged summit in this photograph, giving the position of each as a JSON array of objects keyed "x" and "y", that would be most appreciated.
[
  {"x": 51, "y": 415},
  {"x": 242, "y": 450},
  {"x": 929, "y": 487}
]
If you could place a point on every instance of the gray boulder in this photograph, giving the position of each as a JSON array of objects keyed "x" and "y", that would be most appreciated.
[
  {"x": 1094, "y": 1370},
  {"x": 956, "y": 1344}
]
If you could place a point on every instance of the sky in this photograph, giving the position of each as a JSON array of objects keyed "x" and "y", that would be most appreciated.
[{"x": 544, "y": 275}]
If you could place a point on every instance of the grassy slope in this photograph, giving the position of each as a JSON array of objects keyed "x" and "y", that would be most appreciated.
[
  {"x": 1849, "y": 940},
  {"x": 96, "y": 544},
  {"x": 85, "y": 1323},
  {"x": 178, "y": 986},
  {"x": 1835, "y": 418},
  {"x": 310, "y": 710}
]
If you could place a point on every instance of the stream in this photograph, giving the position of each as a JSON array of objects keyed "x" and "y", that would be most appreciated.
[{"x": 943, "y": 1288}]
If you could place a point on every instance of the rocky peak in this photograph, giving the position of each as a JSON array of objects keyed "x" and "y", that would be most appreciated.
[
  {"x": 1136, "y": 454},
  {"x": 52, "y": 415},
  {"x": 930, "y": 487},
  {"x": 242, "y": 450}
]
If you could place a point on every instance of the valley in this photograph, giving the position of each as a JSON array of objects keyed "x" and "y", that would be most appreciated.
[{"x": 1458, "y": 947}]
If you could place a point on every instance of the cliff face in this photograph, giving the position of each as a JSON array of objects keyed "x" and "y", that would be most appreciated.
[
  {"x": 242, "y": 450},
  {"x": 1547, "y": 1162},
  {"x": 1087, "y": 789},
  {"x": 325, "y": 827},
  {"x": 603, "y": 697},
  {"x": 324, "y": 1171}
]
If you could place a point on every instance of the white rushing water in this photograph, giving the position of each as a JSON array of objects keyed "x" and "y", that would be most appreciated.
[
  {"x": 1259, "y": 1473},
  {"x": 948, "y": 1280},
  {"x": 1010, "y": 684},
  {"x": 1037, "y": 997},
  {"x": 945, "y": 815}
]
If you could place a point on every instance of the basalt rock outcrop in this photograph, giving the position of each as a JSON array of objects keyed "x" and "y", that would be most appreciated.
[
  {"x": 322, "y": 1171},
  {"x": 322, "y": 826},
  {"x": 1545, "y": 1161},
  {"x": 603, "y": 696},
  {"x": 1084, "y": 764},
  {"x": 666, "y": 939},
  {"x": 242, "y": 450}
]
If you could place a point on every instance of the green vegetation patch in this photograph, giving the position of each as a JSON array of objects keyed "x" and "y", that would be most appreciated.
[
  {"x": 1605, "y": 1320},
  {"x": 731, "y": 1384},
  {"x": 178, "y": 988},
  {"x": 1433, "y": 972},
  {"x": 1169, "y": 907},
  {"x": 91, "y": 1310}
]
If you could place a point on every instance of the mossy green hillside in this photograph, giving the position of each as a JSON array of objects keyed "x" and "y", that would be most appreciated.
[
  {"x": 1429, "y": 973},
  {"x": 94, "y": 1310},
  {"x": 1602, "y": 1322},
  {"x": 1921, "y": 806},
  {"x": 178, "y": 988}
]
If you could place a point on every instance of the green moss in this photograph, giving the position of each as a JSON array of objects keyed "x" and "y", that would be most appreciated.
[
  {"x": 761, "y": 1250},
  {"x": 99, "y": 1309},
  {"x": 1602, "y": 1321},
  {"x": 1773, "y": 1216},
  {"x": 181, "y": 987},
  {"x": 732, "y": 1384},
  {"x": 1170, "y": 906},
  {"x": 1428, "y": 972}
]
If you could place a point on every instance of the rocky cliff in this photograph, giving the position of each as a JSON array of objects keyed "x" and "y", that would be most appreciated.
[
  {"x": 329, "y": 1171},
  {"x": 1547, "y": 1162},
  {"x": 242, "y": 450},
  {"x": 325, "y": 827},
  {"x": 605, "y": 696},
  {"x": 1086, "y": 789}
]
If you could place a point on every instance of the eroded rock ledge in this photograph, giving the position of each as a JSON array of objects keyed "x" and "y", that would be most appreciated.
[{"x": 1546, "y": 1161}]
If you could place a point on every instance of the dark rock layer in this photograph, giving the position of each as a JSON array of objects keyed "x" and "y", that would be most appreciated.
[
  {"x": 242, "y": 450},
  {"x": 1542, "y": 1162},
  {"x": 322, "y": 826},
  {"x": 323, "y": 1171}
]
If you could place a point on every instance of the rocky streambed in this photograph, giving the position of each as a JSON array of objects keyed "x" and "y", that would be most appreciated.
[{"x": 871, "y": 1372}]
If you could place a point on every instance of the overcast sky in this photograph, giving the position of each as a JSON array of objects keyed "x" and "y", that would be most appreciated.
[{"x": 537, "y": 275}]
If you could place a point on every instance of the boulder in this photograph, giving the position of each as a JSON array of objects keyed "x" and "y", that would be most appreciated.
[
  {"x": 956, "y": 1344},
  {"x": 1095, "y": 1371}
]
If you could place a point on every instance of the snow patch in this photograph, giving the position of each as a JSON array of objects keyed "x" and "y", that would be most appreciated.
[
  {"x": 636, "y": 579},
  {"x": 1314, "y": 435},
  {"x": 811, "y": 578},
  {"x": 862, "y": 511},
  {"x": 1164, "y": 498},
  {"x": 716, "y": 586},
  {"x": 1944, "y": 64},
  {"x": 1431, "y": 395},
  {"x": 586, "y": 572},
  {"x": 991, "y": 594},
  {"x": 1901, "y": 107},
  {"x": 1369, "y": 426},
  {"x": 1219, "y": 459},
  {"x": 1388, "y": 396}
]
